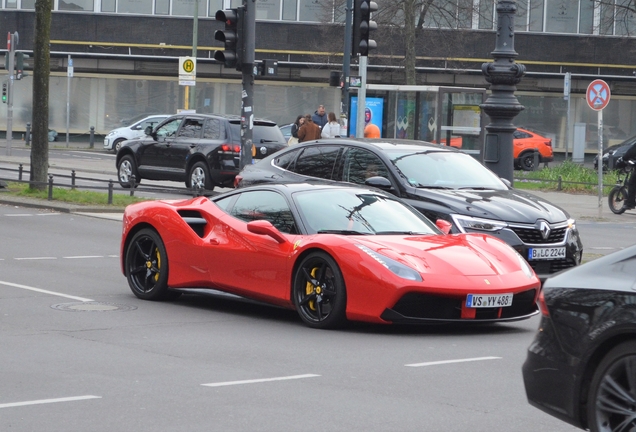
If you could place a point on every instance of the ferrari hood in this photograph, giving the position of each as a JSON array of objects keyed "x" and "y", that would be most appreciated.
[
  {"x": 507, "y": 205},
  {"x": 461, "y": 254}
]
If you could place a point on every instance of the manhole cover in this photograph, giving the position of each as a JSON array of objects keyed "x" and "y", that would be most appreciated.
[{"x": 92, "y": 307}]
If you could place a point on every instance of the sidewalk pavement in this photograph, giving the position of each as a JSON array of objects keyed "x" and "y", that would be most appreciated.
[{"x": 581, "y": 207}]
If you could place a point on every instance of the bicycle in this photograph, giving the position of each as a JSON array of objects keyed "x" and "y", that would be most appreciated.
[{"x": 618, "y": 194}]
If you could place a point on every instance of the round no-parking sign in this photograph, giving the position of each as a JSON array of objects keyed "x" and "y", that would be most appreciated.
[{"x": 598, "y": 95}]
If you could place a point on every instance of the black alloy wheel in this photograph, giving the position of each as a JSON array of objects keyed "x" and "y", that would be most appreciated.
[
  {"x": 612, "y": 397},
  {"x": 527, "y": 162},
  {"x": 319, "y": 292},
  {"x": 199, "y": 177},
  {"x": 147, "y": 266},
  {"x": 125, "y": 169}
]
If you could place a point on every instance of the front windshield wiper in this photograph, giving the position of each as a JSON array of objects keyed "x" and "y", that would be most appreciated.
[
  {"x": 400, "y": 233},
  {"x": 475, "y": 188},
  {"x": 343, "y": 232},
  {"x": 433, "y": 187}
]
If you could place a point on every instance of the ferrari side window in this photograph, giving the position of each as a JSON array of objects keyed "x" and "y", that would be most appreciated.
[{"x": 265, "y": 205}]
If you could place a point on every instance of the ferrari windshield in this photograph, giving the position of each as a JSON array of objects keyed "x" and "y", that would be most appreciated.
[
  {"x": 444, "y": 170},
  {"x": 356, "y": 212}
]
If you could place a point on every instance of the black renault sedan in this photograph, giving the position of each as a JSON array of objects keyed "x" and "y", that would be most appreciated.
[
  {"x": 581, "y": 366},
  {"x": 202, "y": 150},
  {"x": 442, "y": 183}
]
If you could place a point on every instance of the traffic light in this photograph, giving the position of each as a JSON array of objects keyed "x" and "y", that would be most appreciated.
[
  {"x": 4, "y": 92},
  {"x": 363, "y": 26},
  {"x": 231, "y": 36},
  {"x": 19, "y": 64}
]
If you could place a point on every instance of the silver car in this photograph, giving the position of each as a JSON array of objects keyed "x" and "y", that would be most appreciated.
[{"x": 116, "y": 137}]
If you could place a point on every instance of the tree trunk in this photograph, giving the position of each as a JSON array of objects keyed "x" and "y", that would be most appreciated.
[
  {"x": 409, "y": 42},
  {"x": 41, "y": 72}
]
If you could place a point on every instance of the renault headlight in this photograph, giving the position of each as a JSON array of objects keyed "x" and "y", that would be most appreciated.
[
  {"x": 467, "y": 224},
  {"x": 396, "y": 268}
]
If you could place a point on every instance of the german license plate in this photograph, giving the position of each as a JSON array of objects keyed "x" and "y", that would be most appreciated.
[
  {"x": 488, "y": 301},
  {"x": 546, "y": 253}
]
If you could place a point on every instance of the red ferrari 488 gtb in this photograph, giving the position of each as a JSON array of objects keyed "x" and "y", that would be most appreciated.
[{"x": 332, "y": 253}]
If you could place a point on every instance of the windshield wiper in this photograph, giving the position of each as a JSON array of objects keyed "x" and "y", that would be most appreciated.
[
  {"x": 343, "y": 232},
  {"x": 400, "y": 233},
  {"x": 433, "y": 187},
  {"x": 475, "y": 188}
]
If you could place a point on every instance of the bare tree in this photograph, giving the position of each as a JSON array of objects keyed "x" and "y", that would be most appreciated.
[
  {"x": 41, "y": 72},
  {"x": 617, "y": 17},
  {"x": 401, "y": 21}
]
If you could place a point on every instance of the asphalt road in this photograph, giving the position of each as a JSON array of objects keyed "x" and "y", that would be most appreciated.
[{"x": 81, "y": 353}]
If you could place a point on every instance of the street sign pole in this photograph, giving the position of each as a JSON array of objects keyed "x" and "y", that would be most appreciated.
[
  {"x": 69, "y": 75},
  {"x": 567, "y": 83},
  {"x": 12, "y": 41},
  {"x": 598, "y": 95}
]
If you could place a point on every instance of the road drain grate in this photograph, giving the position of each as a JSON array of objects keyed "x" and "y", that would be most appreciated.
[{"x": 92, "y": 307}]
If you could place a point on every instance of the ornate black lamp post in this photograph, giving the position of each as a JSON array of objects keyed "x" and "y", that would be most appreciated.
[{"x": 502, "y": 105}]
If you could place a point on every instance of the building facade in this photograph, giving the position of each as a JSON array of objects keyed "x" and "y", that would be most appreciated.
[{"x": 125, "y": 60}]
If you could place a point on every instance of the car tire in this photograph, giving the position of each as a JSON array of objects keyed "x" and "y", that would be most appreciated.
[
  {"x": 199, "y": 177},
  {"x": 117, "y": 144},
  {"x": 526, "y": 162},
  {"x": 125, "y": 169},
  {"x": 319, "y": 292},
  {"x": 609, "y": 400},
  {"x": 146, "y": 266}
]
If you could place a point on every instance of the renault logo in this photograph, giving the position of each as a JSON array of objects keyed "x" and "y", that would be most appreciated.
[{"x": 544, "y": 229}]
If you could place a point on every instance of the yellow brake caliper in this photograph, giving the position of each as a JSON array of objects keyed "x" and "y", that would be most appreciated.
[
  {"x": 158, "y": 264},
  {"x": 310, "y": 288}
]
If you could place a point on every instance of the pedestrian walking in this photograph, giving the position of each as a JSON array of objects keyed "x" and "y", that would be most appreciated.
[
  {"x": 319, "y": 117},
  {"x": 294, "y": 130},
  {"x": 309, "y": 130},
  {"x": 332, "y": 128}
]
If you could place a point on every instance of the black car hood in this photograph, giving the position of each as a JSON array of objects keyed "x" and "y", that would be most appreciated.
[{"x": 508, "y": 205}]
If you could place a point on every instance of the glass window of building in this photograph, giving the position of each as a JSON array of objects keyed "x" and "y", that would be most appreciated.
[
  {"x": 311, "y": 10},
  {"x": 30, "y": 4},
  {"x": 625, "y": 21},
  {"x": 586, "y": 20},
  {"x": 108, "y": 5},
  {"x": 75, "y": 5},
  {"x": 186, "y": 8},
  {"x": 213, "y": 6},
  {"x": 521, "y": 16},
  {"x": 536, "y": 15},
  {"x": 162, "y": 7},
  {"x": 134, "y": 6},
  {"x": 486, "y": 13},
  {"x": 290, "y": 8},
  {"x": 562, "y": 16},
  {"x": 11, "y": 4},
  {"x": 268, "y": 10}
]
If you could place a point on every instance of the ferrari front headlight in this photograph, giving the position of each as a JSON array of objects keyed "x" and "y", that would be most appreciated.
[{"x": 396, "y": 268}]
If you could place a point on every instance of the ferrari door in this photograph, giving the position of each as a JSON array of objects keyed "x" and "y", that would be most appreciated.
[{"x": 255, "y": 263}]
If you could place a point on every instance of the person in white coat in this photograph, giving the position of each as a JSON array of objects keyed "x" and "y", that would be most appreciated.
[{"x": 332, "y": 128}]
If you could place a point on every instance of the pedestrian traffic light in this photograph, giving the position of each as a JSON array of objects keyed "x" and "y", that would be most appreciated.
[
  {"x": 4, "y": 92},
  {"x": 363, "y": 26},
  {"x": 231, "y": 36}
]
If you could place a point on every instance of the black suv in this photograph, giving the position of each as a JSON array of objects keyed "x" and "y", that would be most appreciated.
[
  {"x": 442, "y": 183},
  {"x": 199, "y": 149}
]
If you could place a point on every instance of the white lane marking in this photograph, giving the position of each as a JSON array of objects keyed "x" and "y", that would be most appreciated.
[
  {"x": 35, "y": 258},
  {"x": 452, "y": 361},
  {"x": 18, "y": 214},
  {"x": 48, "y": 214},
  {"x": 45, "y": 291},
  {"x": 229, "y": 383},
  {"x": 85, "y": 256},
  {"x": 30, "y": 214},
  {"x": 47, "y": 401},
  {"x": 603, "y": 248}
]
